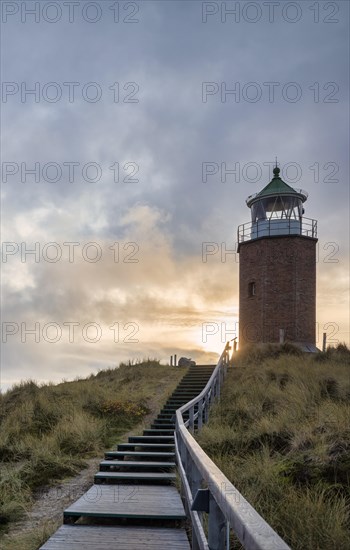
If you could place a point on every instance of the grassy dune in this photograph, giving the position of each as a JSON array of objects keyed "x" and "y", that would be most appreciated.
[
  {"x": 281, "y": 434},
  {"x": 47, "y": 431}
]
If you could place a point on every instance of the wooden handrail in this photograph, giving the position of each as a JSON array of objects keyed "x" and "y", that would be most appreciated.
[{"x": 227, "y": 508}]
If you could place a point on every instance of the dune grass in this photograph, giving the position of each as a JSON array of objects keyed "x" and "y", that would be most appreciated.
[
  {"x": 31, "y": 540},
  {"x": 281, "y": 434},
  {"x": 46, "y": 431}
]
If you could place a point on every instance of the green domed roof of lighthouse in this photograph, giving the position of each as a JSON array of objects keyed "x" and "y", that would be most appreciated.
[{"x": 275, "y": 188}]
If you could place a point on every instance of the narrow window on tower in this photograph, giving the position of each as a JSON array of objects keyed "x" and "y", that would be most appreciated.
[{"x": 251, "y": 289}]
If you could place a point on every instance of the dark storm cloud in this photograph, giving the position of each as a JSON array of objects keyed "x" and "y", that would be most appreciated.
[{"x": 168, "y": 134}]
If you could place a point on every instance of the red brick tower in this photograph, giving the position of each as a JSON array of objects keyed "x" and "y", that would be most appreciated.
[{"x": 277, "y": 269}]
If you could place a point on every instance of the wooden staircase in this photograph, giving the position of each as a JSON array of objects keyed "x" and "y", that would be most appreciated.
[{"x": 133, "y": 503}]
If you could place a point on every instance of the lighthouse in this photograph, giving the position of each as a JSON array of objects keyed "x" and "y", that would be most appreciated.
[{"x": 277, "y": 269}]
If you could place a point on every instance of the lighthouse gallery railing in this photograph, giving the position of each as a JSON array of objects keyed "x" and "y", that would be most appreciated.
[
  {"x": 206, "y": 489},
  {"x": 276, "y": 227}
]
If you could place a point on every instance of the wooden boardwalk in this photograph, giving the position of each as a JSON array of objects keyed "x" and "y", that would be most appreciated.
[
  {"x": 122, "y": 538},
  {"x": 128, "y": 501},
  {"x": 135, "y": 484}
]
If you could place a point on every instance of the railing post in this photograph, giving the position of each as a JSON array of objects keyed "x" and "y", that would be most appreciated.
[
  {"x": 218, "y": 385},
  {"x": 182, "y": 449},
  {"x": 191, "y": 425},
  {"x": 196, "y": 482},
  {"x": 216, "y": 527},
  {"x": 200, "y": 415},
  {"x": 183, "y": 453},
  {"x": 206, "y": 409},
  {"x": 196, "y": 478}
]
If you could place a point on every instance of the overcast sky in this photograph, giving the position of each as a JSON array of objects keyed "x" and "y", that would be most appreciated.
[{"x": 149, "y": 125}]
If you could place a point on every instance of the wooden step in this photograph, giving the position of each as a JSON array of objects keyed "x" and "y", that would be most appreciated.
[
  {"x": 184, "y": 392},
  {"x": 196, "y": 382},
  {"x": 93, "y": 537},
  {"x": 160, "y": 431},
  {"x": 184, "y": 398},
  {"x": 177, "y": 398},
  {"x": 191, "y": 387},
  {"x": 184, "y": 414},
  {"x": 148, "y": 502},
  {"x": 139, "y": 454},
  {"x": 135, "y": 477},
  {"x": 199, "y": 373},
  {"x": 197, "y": 368},
  {"x": 173, "y": 408},
  {"x": 154, "y": 446},
  {"x": 151, "y": 439},
  {"x": 106, "y": 465},
  {"x": 178, "y": 401},
  {"x": 167, "y": 426},
  {"x": 196, "y": 379},
  {"x": 187, "y": 390}
]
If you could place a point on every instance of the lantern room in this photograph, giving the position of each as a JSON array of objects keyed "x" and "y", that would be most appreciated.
[{"x": 277, "y": 210}]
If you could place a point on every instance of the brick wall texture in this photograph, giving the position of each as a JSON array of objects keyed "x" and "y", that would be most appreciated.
[{"x": 284, "y": 272}]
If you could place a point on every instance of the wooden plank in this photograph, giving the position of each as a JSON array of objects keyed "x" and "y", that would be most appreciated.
[
  {"x": 135, "y": 464},
  {"x": 153, "y": 431},
  {"x": 160, "y": 446},
  {"x": 145, "y": 454},
  {"x": 134, "y": 476},
  {"x": 162, "y": 426},
  {"x": 76, "y": 537},
  {"x": 128, "y": 501},
  {"x": 164, "y": 422},
  {"x": 151, "y": 439}
]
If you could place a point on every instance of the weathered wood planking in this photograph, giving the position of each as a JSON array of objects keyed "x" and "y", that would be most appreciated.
[
  {"x": 155, "y": 439},
  {"x": 122, "y": 538},
  {"x": 145, "y": 454},
  {"x": 160, "y": 446},
  {"x": 135, "y": 464},
  {"x": 134, "y": 476},
  {"x": 128, "y": 501}
]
